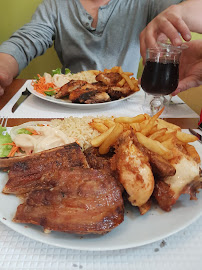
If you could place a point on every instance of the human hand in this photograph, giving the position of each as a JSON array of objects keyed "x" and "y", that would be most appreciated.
[
  {"x": 5, "y": 80},
  {"x": 167, "y": 25},
  {"x": 190, "y": 69},
  {"x": 8, "y": 70}
]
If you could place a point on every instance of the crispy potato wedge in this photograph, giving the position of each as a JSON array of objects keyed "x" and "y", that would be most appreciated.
[
  {"x": 185, "y": 138},
  {"x": 97, "y": 141},
  {"x": 154, "y": 146},
  {"x": 158, "y": 133},
  {"x": 99, "y": 126},
  {"x": 137, "y": 119},
  {"x": 111, "y": 139},
  {"x": 163, "y": 123}
]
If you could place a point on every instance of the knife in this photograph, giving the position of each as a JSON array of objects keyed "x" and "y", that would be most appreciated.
[
  {"x": 23, "y": 96},
  {"x": 196, "y": 134}
]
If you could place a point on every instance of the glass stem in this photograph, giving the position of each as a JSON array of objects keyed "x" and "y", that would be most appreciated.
[{"x": 156, "y": 104}]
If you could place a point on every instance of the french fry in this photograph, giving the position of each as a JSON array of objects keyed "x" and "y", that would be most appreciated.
[
  {"x": 192, "y": 152},
  {"x": 147, "y": 117},
  {"x": 98, "y": 126},
  {"x": 170, "y": 143},
  {"x": 143, "y": 124},
  {"x": 120, "y": 70},
  {"x": 146, "y": 130},
  {"x": 129, "y": 74},
  {"x": 111, "y": 139},
  {"x": 121, "y": 83},
  {"x": 185, "y": 138},
  {"x": 128, "y": 80},
  {"x": 167, "y": 136},
  {"x": 115, "y": 69},
  {"x": 158, "y": 133},
  {"x": 137, "y": 119},
  {"x": 98, "y": 120},
  {"x": 169, "y": 126},
  {"x": 109, "y": 123},
  {"x": 154, "y": 146},
  {"x": 97, "y": 141},
  {"x": 154, "y": 129}
]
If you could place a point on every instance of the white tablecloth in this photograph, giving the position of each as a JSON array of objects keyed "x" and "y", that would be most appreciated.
[{"x": 181, "y": 251}]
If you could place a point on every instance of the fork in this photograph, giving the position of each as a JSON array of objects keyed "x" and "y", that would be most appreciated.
[{"x": 3, "y": 123}]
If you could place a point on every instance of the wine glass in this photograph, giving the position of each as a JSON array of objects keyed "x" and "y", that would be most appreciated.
[{"x": 160, "y": 75}]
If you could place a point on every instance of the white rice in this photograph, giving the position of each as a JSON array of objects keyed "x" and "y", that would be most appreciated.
[{"x": 77, "y": 128}]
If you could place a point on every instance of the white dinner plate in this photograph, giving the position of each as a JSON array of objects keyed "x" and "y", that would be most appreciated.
[
  {"x": 68, "y": 103},
  {"x": 136, "y": 230}
]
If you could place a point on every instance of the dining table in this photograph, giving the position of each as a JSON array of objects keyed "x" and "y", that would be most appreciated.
[{"x": 180, "y": 249}]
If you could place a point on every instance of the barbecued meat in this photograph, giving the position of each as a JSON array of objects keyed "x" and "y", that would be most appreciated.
[
  {"x": 111, "y": 78},
  {"x": 41, "y": 169},
  {"x": 116, "y": 92},
  {"x": 67, "y": 88},
  {"x": 99, "y": 97},
  {"x": 160, "y": 166},
  {"x": 134, "y": 170},
  {"x": 88, "y": 94},
  {"x": 186, "y": 180},
  {"x": 85, "y": 201},
  {"x": 98, "y": 161}
]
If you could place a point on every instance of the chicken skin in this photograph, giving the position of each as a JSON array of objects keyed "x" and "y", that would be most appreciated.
[
  {"x": 168, "y": 189},
  {"x": 134, "y": 170}
]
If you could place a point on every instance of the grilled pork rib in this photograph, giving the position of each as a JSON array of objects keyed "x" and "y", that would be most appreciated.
[
  {"x": 41, "y": 170},
  {"x": 85, "y": 201}
]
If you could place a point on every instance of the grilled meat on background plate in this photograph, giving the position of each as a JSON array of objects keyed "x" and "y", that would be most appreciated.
[
  {"x": 67, "y": 88},
  {"x": 111, "y": 78},
  {"x": 104, "y": 90},
  {"x": 84, "y": 201},
  {"x": 41, "y": 169}
]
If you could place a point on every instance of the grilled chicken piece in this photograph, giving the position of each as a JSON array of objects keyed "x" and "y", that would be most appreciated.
[
  {"x": 67, "y": 88},
  {"x": 85, "y": 201},
  {"x": 97, "y": 98},
  {"x": 41, "y": 169},
  {"x": 116, "y": 92},
  {"x": 134, "y": 170},
  {"x": 186, "y": 180},
  {"x": 89, "y": 94},
  {"x": 111, "y": 78}
]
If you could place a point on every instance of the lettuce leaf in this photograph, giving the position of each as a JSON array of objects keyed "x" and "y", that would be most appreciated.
[
  {"x": 56, "y": 71},
  {"x": 4, "y": 138},
  {"x": 23, "y": 131},
  {"x": 59, "y": 71}
]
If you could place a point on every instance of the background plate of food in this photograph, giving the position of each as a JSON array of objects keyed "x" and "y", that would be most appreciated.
[
  {"x": 86, "y": 89},
  {"x": 87, "y": 202}
]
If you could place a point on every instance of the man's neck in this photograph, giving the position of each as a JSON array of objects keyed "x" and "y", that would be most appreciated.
[{"x": 92, "y": 6}]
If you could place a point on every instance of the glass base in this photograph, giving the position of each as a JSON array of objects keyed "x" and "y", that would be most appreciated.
[{"x": 153, "y": 104}]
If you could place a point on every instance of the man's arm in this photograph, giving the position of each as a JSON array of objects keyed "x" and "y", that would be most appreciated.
[{"x": 175, "y": 20}]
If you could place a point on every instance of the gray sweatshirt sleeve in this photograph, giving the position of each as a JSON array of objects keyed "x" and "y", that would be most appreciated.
[{"x": 34, "y": 38}]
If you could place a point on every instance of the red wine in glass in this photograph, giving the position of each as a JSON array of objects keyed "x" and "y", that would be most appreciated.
[
  {"x": 160, "y": 75},
  {"x": 160, "y": 78}
]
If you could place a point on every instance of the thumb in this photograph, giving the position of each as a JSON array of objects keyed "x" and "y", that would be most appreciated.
[
  {"x": 1, "y": 91},
  {"x": 188, "y": 82}
]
